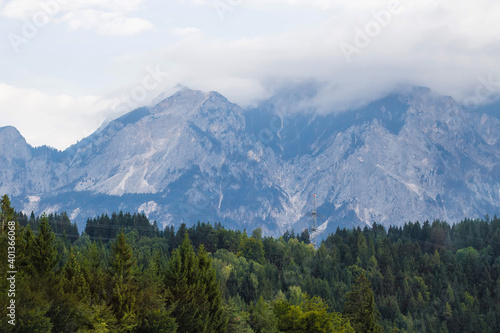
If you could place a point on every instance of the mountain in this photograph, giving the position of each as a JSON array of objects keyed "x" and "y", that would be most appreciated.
[{"x": 197, "y": 156}]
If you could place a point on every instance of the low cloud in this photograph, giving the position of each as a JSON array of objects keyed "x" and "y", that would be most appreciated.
[
  {"x": 54, "y": 120},
  {"x": 448, "y": 46},
  {"x": 353, "y": 53}
]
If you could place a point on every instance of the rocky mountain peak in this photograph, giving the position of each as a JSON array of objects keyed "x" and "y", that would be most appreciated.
[
  {"x": 197, "y": 156},
  {"x": 13, "y": 144}
]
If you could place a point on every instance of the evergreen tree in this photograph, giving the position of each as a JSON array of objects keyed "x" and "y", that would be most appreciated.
[
  {"x": 360, "y": 307},
  {"x": 192, "y": 291},
  {"x": 44, "y": 252},
  {"x": 7, "y": 212},
  {"x": 212, "y": 296},
  {"x": 427, "y": 279},
  {"x": 94, "y": 258},
  {"x": 304, "y": 236},
  {"x": 262, "y": 318},
  {"x": 26, "y": 246},
  {"x": 122, "y": 291},
  {"x": 74, "y": 279}
]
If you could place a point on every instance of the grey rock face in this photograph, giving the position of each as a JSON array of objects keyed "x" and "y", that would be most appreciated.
[{"x": 196, "y": 156}]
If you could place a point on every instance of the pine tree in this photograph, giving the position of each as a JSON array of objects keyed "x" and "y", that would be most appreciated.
[
  {"x": 74, "y": 279},
  {"x": 7, "y": 212},
  {"x": 122, "y": 298},
  {"x": 93, "y": 261},
  {"x": 154, "y": 316},
  {"x": 212, "y": 294},
  {"x": 180, "y": 287},
  {"x": 44, "y": 255},
  {"x": 192, "y": 291},
  {"x": 360, "y": 307},
  {"x": 262, "y": 318}
]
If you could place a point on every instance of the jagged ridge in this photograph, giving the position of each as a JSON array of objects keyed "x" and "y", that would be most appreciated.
[{"x": 196, "y": 156}]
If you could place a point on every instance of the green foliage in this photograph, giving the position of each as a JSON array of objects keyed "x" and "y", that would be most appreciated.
[
  {"x": 192, "y": 291},
  {"x": 107, "y": 228},
  {"x": 7, "y": 212},
  {"x": 422, "y": 277},
  {"x": 74, "y": 279},
  {"x": 101, "y": 319},
  {"x": 252, "y": 249},
  {"x": 310, "y": 315},
  {"x": 42, "y": 252},
  {"x": 360, "y": 307},
  {"x": 122, "y": 291},
  {"x": 159, "y": 320},
  {"x": 262, "y": 318}
]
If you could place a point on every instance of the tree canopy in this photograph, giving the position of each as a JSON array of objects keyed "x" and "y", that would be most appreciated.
[{"x": 418, "y": 277}]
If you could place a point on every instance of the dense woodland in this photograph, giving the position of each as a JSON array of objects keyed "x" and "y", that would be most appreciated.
[{"x": 124, "y": 274}]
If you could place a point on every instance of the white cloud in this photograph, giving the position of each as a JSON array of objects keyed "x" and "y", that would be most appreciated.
[
  {"x": 450, "y": 46},
  {"x": 195, "y": 2},
  {"x": 104, "y": 23},
  {"x": 25, "y": 8},
  {"x": 444, "y": 45},
  {"x": 54, "y": 120},
  {"x": 106, "y": 17},
  {"x": 189, "y": 31},
  {"x": 20, "y": 8},
  {"x": 274, "y": 5}
]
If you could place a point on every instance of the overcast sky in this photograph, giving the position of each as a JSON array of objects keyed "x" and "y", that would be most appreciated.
[{"x": 67, "y": 65}]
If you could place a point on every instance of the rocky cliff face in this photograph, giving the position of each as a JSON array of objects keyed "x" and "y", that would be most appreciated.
[{"x": 197, "y": 156}]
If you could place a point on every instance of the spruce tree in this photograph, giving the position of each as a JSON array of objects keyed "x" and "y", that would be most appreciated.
[
  {"x": 7, "y": 212},
  {"x": 212, "y": 296},
  {"x": 44, "y": 255},
  {"x": 122, "y": 291},
  {"x": 360, "y": 307},
  {"x": 74, "y": 279},
  {"x": 180, "y": 287},
  {"x": 262, "y": 317},
  {"x": 192, "y": 291}
]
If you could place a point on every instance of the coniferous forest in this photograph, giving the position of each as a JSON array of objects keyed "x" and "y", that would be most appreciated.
[{"x": 124, "y": 274}]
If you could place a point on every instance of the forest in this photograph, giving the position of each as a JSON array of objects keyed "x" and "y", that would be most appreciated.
[{"x": 124, "y": 274}]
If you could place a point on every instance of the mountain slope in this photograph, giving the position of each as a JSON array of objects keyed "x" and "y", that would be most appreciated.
[{"x": 197, "y": 156}]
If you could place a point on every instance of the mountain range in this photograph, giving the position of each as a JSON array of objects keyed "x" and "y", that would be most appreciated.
[{"x": 195, "y": 156}]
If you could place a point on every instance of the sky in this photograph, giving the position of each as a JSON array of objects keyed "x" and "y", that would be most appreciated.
[{"x": 68, "y": 66}]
